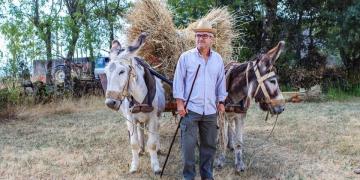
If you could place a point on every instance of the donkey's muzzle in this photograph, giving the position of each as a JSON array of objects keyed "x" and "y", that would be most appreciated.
[
  {"x": 278, "y": 109},
  {"x": 277, "y": 106},
  {"x": 113, "y": 104}
]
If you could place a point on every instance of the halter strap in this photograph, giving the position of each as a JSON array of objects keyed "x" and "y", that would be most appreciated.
[
  {"x": 125, "y": 91},
  {"x": 260, "y": 79},
  {"x": 247, "y": 74}
]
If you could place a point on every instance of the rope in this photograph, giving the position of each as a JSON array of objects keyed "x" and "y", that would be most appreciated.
[
  {"x": 223, "y": 117},
  {"x": 259, "y": 145}
]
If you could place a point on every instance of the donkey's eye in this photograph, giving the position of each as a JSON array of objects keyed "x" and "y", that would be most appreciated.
[
  {"x": 273, "y": 81},
  {"x": 122, "y": 71}
]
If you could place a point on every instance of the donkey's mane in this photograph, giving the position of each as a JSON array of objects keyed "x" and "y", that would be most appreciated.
[
  {"x": 241, "y": 67},
  {"x": 238, "y": 79},
  {"x": 238, "y": 69}
]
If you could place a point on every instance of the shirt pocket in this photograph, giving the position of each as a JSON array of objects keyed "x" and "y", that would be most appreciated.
[
  {"x": 213, "y": 71},
  {"x": 191, "y": 69}
]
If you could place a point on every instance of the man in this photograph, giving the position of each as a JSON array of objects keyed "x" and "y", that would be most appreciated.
[
  {"x": 207, "y": 98},
  {"x": 146, "y": 105}
]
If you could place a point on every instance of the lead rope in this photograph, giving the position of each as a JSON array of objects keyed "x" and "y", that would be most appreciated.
[
  {"x": 225, "y": 118},
  {"x": 265, "y": 141}
]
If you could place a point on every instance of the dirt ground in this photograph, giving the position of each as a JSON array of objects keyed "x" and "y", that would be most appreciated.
[{"x": 83, "y": 139}]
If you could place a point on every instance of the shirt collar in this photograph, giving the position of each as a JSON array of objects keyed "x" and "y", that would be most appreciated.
[{"x": 196, "y": 50}]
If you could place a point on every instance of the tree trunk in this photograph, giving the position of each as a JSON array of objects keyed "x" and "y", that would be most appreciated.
[
  {"x": 48, "y": 55},
  {"x": 311, "y": 29},
  {"x": 353, "y": 75},
  {"x": 352, "y": 65},
  {"x": 299, "y": 36},
  {"x": 111, "y": 35},
  {"x": 73, "y": 7},
  {"x": 44, "y": 32},
  {"x": 271, "y": 8},
  {"x": 72, "y": 45}
]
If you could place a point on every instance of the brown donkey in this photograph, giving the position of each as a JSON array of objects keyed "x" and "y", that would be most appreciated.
[{"x": 245, "y": 81}]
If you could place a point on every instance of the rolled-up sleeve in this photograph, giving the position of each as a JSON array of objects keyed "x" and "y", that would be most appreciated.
[
  {"x": 220, "y": 85},
  {"x": 179, "y": 79}
]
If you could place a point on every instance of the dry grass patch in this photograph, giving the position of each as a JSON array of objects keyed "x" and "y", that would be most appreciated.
[
  {"x": 311, "y": 141},
  {"x": 61, "y": 107},
  {"x": 7, "y": 112}
]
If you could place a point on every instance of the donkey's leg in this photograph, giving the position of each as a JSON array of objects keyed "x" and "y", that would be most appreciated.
[
  {"x": 152, "y": 143},
  {"x": 132, "y": 128},
  {"x": 222, "y": 142},
  {"x": 158, "y": 145},
  {"x": 231, "y": 134},
  {"x": 239, "y": 130},
  {"x": 141, "y": 137}
]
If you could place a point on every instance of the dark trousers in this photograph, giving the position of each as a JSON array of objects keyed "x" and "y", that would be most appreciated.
[{"x": 206, "y": 126}]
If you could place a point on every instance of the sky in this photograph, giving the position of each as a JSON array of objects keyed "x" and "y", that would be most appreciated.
[
  {"x": 3, "y": 51},
  {"x": 2, "y": 44},
  {"x": 3, "y": 48},
  {"x": 3, "y": 41}
]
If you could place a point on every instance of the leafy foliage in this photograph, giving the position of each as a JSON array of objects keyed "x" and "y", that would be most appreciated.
[{"x": 313, "y": 30}]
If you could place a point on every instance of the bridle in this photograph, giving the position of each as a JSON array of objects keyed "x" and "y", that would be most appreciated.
[
  {"x": 261, "y": 79},
  {"x": 124, "y": 93}
]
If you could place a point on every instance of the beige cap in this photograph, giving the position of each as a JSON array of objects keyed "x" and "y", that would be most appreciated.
[{"x": 204, "y": 26}]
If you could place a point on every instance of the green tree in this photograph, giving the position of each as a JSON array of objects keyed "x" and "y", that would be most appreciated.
[
  {"x": 187, "y": 11},
  {"x": 75, "y": 10},
  {"x": 346, "y": 37},
  {"x": 44, "y": 23},
  {"x": 334, "y": 31},
  {"x": 16, "y": 32},
  {"x": 107, "y": 14}
]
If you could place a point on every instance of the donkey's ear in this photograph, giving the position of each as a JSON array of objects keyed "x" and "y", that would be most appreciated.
[
  {"x": 275, "y": 52},
  {"x": 115, "y": 44},
  {"x": 138, "y": 43}
]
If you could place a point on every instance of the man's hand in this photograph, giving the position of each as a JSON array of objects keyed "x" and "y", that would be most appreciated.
[
  {"x": 181, "y": 108},
  {"x": 182, "y": 112},
  {"x": 221, "y": 108}
]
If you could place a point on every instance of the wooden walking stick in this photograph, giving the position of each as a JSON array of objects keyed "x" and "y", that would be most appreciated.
[{"x": 173, "y": 139}]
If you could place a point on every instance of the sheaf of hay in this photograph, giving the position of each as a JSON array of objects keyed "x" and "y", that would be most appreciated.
[{"x": 165, "y": 42}]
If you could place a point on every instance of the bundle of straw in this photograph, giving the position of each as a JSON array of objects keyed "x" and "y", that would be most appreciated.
[
  {"x": 161, "y": 45},
  {"x": 166, "y": 43},
  {"x": 224, "y": 23}
]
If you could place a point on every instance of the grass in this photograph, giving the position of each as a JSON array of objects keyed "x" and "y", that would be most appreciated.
[
  {"x": 355, "y": 90},
  {"x": 287, "y": 88},
  {"x": 335, "y": 94},
  {"x": 85, "y": 140},
  {"x": 338, "y": 94}
]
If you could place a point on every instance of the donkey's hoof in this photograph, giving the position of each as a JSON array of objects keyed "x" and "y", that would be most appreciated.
[
  {"x": 220, "y": 161},
  {"x": 141, "y": 153},
  {"x": 157, "y": 172},
  {"x": 156, "y": 168},
  {"x": 219, "y": 164},
  {"x": 159, "y": 152},
  {"x": 240, "y": 167},
  {"x": 231, "y": 147},
  {"x": 357, "y": 170},
  {"x": 132, "y": 171}
]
